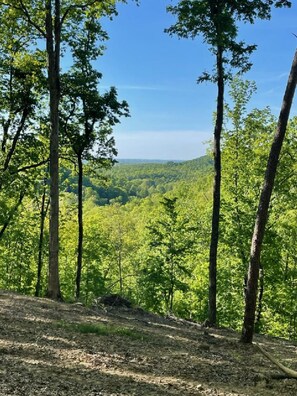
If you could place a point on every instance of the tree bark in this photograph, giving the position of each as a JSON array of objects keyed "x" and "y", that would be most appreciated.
[
  {"x": 262, "y": 212},
  {"x": 120, "y": 267},
  {"x": 43, "y": 212},
  {"x": 80, "y": 226},
  {"x": 212, "y": 304},
  {"x": 53, "y": 54}
]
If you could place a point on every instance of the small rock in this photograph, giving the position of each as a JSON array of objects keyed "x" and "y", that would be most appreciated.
[{"x": 114, "y": 300}]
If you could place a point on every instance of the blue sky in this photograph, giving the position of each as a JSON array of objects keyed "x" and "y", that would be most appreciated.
[{"x": 171, "y": 116}]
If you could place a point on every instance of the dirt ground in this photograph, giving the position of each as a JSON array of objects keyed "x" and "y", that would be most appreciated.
[{"x": 50, "y": 348}]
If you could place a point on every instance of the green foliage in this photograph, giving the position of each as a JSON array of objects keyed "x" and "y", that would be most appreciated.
[
  {"x": 246, "y": 143},
  {"x": 170, "y": 240},
  {"x": 146, "y": 226},
  {"x": 217, "y": 23},
  {"x": 127, "y": 249},
  {"x": 125, "y": 182},
  {"x": 88, "y": 116},
  {"x": 22, "y": 147}
]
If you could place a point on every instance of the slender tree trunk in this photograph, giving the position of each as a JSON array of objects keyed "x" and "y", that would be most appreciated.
[
  {"x": 262, "y": 213},
  {"x": 53, "y": 54},
  {"x": 43, "y": 212},
  {"x": 171, "y": 286},
  {"x": 11, "y": 214},
  {"x": 260, "y": 300},
  {"x": 212, "y": 304},
  {"x": 120, "y": 267},
  {"x": 16, "y": 138},
  {"x": 80, "y": 226}
]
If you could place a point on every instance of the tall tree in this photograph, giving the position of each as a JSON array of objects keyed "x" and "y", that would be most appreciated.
[
  {"x": 170, "y": 239},
  {"x": 216, "y": 21},
  {"x": 50, "y": 21},
  {"x": 264, "y": 201},
  {"x": 245, "y": 145},
  {"x": 43, "y": 212},
  {"x": 88, "y": 116},
  {"x": 21, "y": 90}
]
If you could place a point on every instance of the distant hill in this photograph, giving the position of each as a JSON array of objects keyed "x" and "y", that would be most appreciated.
[
  {"x": 128, "y": 180},
  {"x": 202, "y": 162},
  {"x": 138, "y": 178},
  {"x": 144, "y": 161}
]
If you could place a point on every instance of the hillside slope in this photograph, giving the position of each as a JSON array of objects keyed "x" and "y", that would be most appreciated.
[{"x": 50, "y": 348}]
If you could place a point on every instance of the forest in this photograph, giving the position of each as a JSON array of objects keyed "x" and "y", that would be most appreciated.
[{"x": 172, "y": 237}]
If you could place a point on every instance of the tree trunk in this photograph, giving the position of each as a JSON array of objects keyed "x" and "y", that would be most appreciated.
[
  {"x": 212, "y": 304},
  {"x": 260, "y": 300},
  {"x": 43, "y": 212},
  {"x": 80, "y": 226},
  {"x": 262, "y": 212},
  {"x": 120, "y": 267},
  {"x": 53, "y": 55}
]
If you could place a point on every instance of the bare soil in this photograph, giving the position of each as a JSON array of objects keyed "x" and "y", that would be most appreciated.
[{"x": 43, "y": 351}]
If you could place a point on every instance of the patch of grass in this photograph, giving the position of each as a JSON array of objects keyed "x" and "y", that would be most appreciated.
[{"x": 103, "y": 330}]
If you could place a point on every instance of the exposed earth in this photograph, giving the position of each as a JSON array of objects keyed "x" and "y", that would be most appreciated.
[{"x": 51, "y": 348}]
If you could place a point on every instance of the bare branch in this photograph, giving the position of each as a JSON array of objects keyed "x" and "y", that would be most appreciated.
[{"x": 291, "y": 373}]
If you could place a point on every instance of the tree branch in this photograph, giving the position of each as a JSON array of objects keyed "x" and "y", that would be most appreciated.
[
  {"x": 15, "y": 139},
  {"x": 289, "y": 372},
  {"x": 68, "y": 159},
  {"x": 32, "y": 166},
  {"x": 77, "y": 6},
  {"x": 24, "y": 9}
]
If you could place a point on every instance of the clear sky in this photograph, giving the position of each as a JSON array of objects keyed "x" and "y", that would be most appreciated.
[{"x": 171, "y": 115}]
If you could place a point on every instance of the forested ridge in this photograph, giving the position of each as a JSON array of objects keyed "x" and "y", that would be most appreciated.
[
  {"x": 146, "y": 233},
  {"x": 140, "y": 179}
]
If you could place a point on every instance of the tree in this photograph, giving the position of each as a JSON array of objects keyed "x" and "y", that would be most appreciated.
[
  {"x": 170, "y": 240},
  {"x": 122, "y": 227},
  {"x": 215, "y": 21},
  {"x": 51, "y": 21},
  {"x": 245, "y": 145},
  {"x": 43, "y": 212},
  {"x": 237, "y": 144},
  {"x": 264, "y": 201},
  {"x": 21, "y": 91},
  {"x": 88, "y": 116}
]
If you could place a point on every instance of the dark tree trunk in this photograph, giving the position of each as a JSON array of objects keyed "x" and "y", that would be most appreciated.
[
  {"x": 43, "y": 212},
  {"x": 53, "y": 54},
  {"x": 262, "y": 213},
  {"x": 16, "y": 139},
  {"x": 11, "y": 214},
  {"x": 212, "y": 304},
  {"x": 80, "y": 226}
]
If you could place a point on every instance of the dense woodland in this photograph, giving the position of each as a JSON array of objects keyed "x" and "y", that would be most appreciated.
[
  {"x": 77, "y": 224},
  {"x": 146, "y": 233}
]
